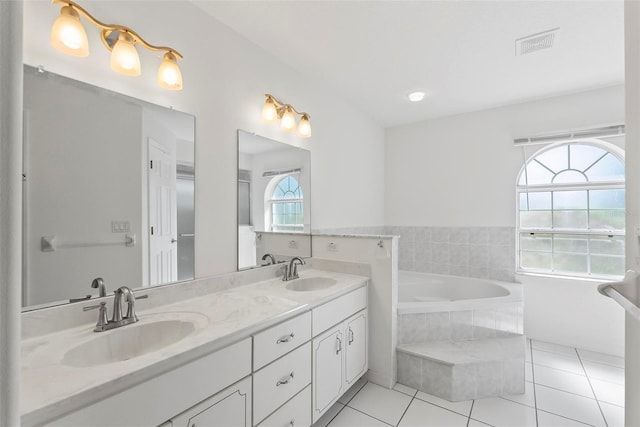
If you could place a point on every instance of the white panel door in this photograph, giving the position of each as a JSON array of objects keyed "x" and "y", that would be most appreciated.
[
  {"x": 327, "y": 370},
  {"x": 355, "y": 348},
  {"x": 163, "y": 257}
]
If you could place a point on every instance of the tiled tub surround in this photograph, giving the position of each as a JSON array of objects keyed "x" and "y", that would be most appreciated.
[
  {"x": 482, "y": 252},
  {"x": 229, "y": 313},
  {"x": 462, "y": 349}
]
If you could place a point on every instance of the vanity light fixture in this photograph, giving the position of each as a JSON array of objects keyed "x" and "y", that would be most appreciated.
[
  {"x": 274, "y": 110},
  {"x": 69, "y": 36}
]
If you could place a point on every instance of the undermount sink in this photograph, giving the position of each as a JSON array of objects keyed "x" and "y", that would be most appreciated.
[
  {"x": 130, "y": 341},
  {"x": 310, "y": 284}
]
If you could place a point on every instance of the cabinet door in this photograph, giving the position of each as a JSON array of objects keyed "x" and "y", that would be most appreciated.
[
  {"x": 229, "y": 408},
  {"x": 327, "y": 370},
  {"x": 355, "y": 348}
]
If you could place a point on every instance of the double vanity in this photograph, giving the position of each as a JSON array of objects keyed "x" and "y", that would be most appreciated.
[{"x": 267, "y": 353}]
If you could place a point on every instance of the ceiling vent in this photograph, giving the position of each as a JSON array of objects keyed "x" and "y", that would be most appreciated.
[{"x": 536, "y": 42}]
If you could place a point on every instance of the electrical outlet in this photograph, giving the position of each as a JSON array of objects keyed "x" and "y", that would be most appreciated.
[
  {"x": 293, "y": 244},
  {"x": 332, "y": 247}
]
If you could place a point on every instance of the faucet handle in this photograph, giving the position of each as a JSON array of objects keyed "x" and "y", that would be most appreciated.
[
  {"x": 285, "y": 273},
  {"x": 103, "y": 320}
]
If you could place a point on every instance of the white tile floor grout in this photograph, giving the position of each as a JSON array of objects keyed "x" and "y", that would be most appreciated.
[{"x": 567, "y": 387}]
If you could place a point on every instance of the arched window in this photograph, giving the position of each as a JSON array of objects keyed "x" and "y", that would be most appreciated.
[
  {"x": 571, "y": 210},
  {"x": 286, "y": 206}
]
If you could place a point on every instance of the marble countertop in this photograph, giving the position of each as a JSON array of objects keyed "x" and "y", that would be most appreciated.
[{"x": 51, "y": 388}]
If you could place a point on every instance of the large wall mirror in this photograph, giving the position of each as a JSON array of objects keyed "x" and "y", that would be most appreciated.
[
  {"x": 108, "y": 191},
  {"x": 274, "y": 193}
]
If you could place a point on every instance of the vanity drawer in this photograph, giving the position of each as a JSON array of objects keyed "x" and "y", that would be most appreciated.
[
  {"x": 272, "y": 343},
  {"x": 294, "y": 413},
  {"x": 339, "y": 309},
  {"x": 278, "y": 382}
]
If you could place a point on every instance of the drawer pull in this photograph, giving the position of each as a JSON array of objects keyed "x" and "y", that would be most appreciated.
[
  {"x": 285, "y": 380},
  {"x": 285, "y": 338},
  {"x": 350, "y": 336},
  {"x": 338, "y": 345}
]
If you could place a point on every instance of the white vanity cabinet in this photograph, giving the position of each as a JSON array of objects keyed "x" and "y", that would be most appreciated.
[
  {"x": 159, "y": 399},
  {"x": 339, "y": 353},
  {"x": 229, "y": 408}
]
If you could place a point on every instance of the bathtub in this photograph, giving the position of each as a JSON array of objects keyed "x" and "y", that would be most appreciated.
[
  {"x": 428, "y": 293},
  {"x": 460, "y": 338}
]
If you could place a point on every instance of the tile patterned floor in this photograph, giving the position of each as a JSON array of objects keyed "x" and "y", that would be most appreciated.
[{"x": 565, "y": 387}]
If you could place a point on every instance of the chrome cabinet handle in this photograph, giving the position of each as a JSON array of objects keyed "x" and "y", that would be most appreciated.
[
  {"x": 338, "y": 345},
  {"x": 285, "y": 338},
  {"x": 350, "y": 336},
  {"x": 285, "y": 380}
]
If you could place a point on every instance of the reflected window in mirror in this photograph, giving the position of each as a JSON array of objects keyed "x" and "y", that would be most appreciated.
[{"x": 286, "y": 205}]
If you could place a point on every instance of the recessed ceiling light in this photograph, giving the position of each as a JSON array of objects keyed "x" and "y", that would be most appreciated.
[{"x": 416, "y": 96}]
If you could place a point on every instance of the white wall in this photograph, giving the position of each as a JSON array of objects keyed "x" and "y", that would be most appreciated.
[
  {"x": 225, "y": 77},
  {"x": 462, "y": 170}
]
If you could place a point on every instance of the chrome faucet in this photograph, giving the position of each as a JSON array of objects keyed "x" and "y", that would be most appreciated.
[
  {"x": 292, "y": 272},
  {"x": 271, "y": 258},
  {"x": 130, "y": 317},
  {"x": 117, "y": 319},
  {"x": 98, "y": 283}
]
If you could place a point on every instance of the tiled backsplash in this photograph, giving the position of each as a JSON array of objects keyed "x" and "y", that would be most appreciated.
[{"x": 482, "y": 252}]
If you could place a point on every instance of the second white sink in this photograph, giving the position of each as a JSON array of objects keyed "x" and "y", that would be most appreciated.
[
  {"x": 131, "y": 341},
  {"x": 310, "y": 284}
]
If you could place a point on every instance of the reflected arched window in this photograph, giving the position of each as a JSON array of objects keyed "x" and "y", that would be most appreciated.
[
  {"x": 286, "y": 205},
  {"x": 571, "y": 211}
]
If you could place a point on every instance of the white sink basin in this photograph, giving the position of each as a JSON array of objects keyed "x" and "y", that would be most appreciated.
[
  {"x": 310, "y": 284},
  {"x": 130, "y": 341}
]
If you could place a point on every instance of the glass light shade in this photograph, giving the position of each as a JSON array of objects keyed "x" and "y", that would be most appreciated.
[
  {"x": 288, "y": 121},
  {"x": 68, "y": 34},
  {"x": 169, "y": 75},
  {"x": 304, "y": 127},
  {"x": 269, "y": 111},
  {"x": 124, "y": 56}
]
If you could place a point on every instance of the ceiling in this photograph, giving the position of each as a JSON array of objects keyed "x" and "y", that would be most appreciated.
[{"x": 461, "y": 53}]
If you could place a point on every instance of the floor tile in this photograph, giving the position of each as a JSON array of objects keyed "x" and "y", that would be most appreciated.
[
  {"x": 607, "y": 359},
  {"x": 553, "y": 348},
  {"x": 528, "y": 371},
  {"x": 563, "y": 380},
  {"x": 608, "y": 392},
  {"x": 600, "y": 371},
  {"x": 381, "y": 403},
  {"x": 425, "y": 414},
  {"x": 501, "y": 412},
  {"x": 569, "y": 405},
  {"x": 463, "y": 408},
  {"x": 528, "y": 398},
  {"x": 546, "y": 419},
  {"x": 409, "y": 391},
  {"x": 329, "y": 415},
  {"x": 348, "y": 395},
  {"x": 613, "y": 414},
  {"x": 351, "y": 418},
  {"x": 475, "y": 423},
  {"x": 557, "y": 361}
]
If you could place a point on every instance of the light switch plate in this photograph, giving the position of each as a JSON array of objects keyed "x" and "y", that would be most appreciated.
[{"x": 120, "y": 226}]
